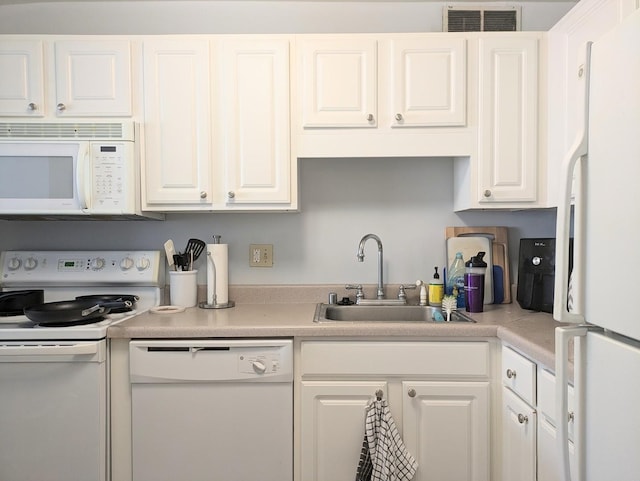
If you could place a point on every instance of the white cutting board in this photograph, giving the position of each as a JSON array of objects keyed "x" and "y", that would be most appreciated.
[{"x": 470, "y": 246}]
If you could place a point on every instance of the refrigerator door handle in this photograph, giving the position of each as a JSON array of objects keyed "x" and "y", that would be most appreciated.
[
  {"x": 562, "y": 338},
  {"x": 578, "y": 150}
]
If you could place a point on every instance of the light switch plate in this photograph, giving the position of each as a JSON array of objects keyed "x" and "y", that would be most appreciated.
[{"x": 261, "y": 255}]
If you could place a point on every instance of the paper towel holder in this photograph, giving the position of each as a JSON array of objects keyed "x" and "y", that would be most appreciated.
[{"x": 211, "y": 284}]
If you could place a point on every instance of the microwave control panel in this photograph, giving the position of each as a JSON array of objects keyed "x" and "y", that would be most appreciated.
[{"x": 113, "y": 171}]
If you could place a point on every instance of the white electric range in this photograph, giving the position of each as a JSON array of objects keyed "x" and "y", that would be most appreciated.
[{"x": 54, "y": 388}]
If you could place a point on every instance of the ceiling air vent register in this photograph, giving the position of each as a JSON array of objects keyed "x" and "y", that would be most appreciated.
[{"x": 464, "y": 18}]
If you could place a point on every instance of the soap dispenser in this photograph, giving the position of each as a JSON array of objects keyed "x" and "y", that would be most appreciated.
[
  {"x": 423, "y": 292},
  {"x": 436, "y": 290}
]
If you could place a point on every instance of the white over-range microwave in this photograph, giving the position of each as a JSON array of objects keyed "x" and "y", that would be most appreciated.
[{"x": 70, "y": 170}]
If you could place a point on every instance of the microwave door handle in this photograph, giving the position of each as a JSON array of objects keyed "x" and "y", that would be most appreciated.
[{"x": 84, "y": 198}]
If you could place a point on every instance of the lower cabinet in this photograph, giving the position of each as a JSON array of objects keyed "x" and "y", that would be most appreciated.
[
  {"x": 529, "y": 421},
  {"x": 439, "y": 395}
]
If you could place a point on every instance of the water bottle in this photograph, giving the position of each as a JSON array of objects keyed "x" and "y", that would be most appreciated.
[
  {"x": 474, "y": 283},
  {"x": 455, "y": 280}
]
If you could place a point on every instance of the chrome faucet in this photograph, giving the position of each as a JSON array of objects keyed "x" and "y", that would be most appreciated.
[{"x": 360, "y": 256}]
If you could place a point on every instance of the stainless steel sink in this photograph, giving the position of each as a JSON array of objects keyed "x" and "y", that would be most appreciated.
[{"x": 405, "y": 313}]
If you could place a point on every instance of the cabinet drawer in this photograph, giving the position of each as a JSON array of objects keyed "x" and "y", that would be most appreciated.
[
  {"x": 450, "y": 359},
  {"x": 519, "y": 375}
]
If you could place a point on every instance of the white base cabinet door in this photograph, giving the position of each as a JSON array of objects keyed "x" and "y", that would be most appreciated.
[
  {"x": 446, "y": 428},
  {"x": 177, "y": 126},
  {"x": 332, "y": 427},
  {"x": 518, "y": 438}
]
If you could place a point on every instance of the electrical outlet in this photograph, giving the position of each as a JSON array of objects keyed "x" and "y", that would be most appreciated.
[{"x": 261, "y": 255}]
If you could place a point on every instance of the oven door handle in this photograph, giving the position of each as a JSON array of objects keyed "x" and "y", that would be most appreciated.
[{"x": 52, "y": 350}]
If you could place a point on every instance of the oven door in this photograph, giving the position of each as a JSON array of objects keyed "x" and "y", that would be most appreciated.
[
  {"x": 53, "y": 411},
  {"x": 44, "y": 177}
]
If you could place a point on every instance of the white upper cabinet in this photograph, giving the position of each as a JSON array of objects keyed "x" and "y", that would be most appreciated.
[
  {"x": 93, "y": 77},
  {"x": 383, "y": 95},
  {"x": 253, "y": 122},
  {"x": 177, "y": 124},
  {"x": 22, "y": 78},
  {"x": 428, "y": 81},
  {"x": 506, "y": 168},
  {"x": 339, "y": 81},
  {"x": 74, "y": 77},
  {"x": 508, "y": 119}
]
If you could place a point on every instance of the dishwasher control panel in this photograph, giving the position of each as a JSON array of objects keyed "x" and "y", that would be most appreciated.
[
  {"x": 205, "y": 360},
  {"x": 259, "y": 362}
]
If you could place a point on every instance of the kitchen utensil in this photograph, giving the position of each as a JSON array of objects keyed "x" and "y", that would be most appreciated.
[
  {"x": 12, "y": 303},
  {"x": 499, "y": 256},
  {"x": 196, "y": 246},
  {"x": 71, "y": 312},
  {"x": 113, "y": 298},
  {"x": 181, "y": 261},
  {"x": 170, "y": 251}
]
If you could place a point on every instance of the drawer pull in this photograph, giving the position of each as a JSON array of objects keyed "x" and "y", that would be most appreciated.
[
  {"x": 412, "y": 393},
  {"x": 511, "y": 373},
  {"x": 522, "y": 419}
]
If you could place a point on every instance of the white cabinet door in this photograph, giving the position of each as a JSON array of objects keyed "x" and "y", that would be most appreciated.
[
  {"x": 428, "y": 81},
  {"x": 254, "y": 109},
  {"x": 177, "y": 124},
  {"x": 93, "y": 77},
  {"x": 508, "y": 119},
  {"x": 332, "y": 427},
  {"x": 338, "y": 81},
  {"x": 21, "y": 78},
  {"x": 446, "y": 428},
  {"x": 548, "y": 459},
  {"x": 518, "y": 438}
]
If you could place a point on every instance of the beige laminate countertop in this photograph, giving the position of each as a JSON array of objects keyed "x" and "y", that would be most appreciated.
[{"x": 531, "y": 333}]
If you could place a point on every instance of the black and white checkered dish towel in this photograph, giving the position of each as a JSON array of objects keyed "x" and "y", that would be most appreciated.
[{"x": 384, "y": 456}]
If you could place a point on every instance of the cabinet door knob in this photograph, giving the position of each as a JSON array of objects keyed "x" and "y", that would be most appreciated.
[
  {"x": 522, "y": 419},
  {"x": 487, "y": 193},
  {"x": 231, "y": 194},
  {"x": 370, "y": 117},
  {"x": 511, "y": 373},
  {"x": 32, "y": 106},
  {"x": 412, "y": 393},
  {"x": 203, "y": 195},
  {"x": 61, "y": 107},
  {"x": 399, "y": 117}
]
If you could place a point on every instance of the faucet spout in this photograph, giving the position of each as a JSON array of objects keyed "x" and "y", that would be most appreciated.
[{"x": 360, "y": 257}]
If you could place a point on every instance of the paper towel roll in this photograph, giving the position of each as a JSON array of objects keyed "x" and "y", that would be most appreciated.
[{"x": 220, "y": 255}]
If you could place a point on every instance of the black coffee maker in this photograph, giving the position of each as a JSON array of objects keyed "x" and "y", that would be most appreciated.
[{"x": 536, "y": 273}]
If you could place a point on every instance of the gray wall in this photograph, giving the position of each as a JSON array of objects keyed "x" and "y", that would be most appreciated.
[{"x": 407, "y": 202}]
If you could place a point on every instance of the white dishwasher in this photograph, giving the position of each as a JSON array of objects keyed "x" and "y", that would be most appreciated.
[{"x": 212, "y": 410}]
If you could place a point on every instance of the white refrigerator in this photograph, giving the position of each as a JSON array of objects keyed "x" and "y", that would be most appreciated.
[{"x": 606, "y": 230}]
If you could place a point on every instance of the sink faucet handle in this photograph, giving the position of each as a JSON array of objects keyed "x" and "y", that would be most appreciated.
[
  {"x": 402, "y": 295},
  {"x": 358, "y": 288}
]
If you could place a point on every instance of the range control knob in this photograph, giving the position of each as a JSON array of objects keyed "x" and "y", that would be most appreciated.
[
  {"x": 259, "y": 366},
  {"x": 96, "y": 264},
  {"x": 126, "y": 263},
  {"x": 143, "y": 263},
  {"x": 14, "y": 264},
  {"x": 30, "y": 263}
]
